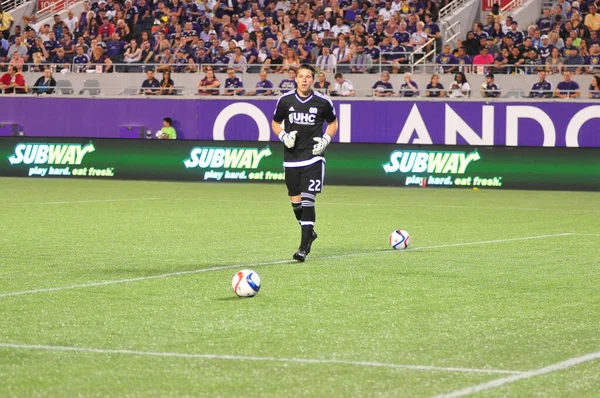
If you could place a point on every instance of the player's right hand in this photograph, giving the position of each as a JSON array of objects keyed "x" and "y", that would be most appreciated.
[{"x": 288, "y": 139}]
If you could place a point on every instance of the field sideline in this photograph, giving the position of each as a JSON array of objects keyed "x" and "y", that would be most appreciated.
[{"x": 114, "y": 288}]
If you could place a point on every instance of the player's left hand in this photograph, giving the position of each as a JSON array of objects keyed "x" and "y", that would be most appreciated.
[{"x": 321, "y": 144}]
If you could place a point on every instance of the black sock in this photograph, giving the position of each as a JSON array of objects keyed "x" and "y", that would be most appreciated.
[
  {"x": 297, "y": 207},
  {"x": 308, "y": 218}
]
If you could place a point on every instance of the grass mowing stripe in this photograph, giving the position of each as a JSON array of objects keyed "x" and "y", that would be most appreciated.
[
  {"x": 225, "y": 267},
  {"x": 521, "y": 376},
  {"x": 69, "y": 202},
  {"x": 258, "y": 359}
]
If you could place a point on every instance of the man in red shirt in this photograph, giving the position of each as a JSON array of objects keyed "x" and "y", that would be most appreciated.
[{"x": 13, "y": 82}]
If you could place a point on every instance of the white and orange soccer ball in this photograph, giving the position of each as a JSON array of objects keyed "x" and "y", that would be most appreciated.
[
  {"x": 399, "y": 239},
  {"x": 246, "y": 283}
]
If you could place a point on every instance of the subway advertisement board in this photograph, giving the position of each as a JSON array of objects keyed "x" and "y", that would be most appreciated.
[{"x": 349, "y": 164}]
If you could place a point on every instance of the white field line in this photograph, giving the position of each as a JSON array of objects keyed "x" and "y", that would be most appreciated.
[
  {"x": 253, "y": 358},
  {"x": 521, "y": 376},
  {"x": 241, "y": 266}
]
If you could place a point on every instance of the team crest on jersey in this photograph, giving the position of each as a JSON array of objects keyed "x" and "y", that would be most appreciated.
[{"x": 312, "y": 110}]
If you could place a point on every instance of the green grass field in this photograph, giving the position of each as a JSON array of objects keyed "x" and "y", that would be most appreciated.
[{"x": 112, "y": 288}]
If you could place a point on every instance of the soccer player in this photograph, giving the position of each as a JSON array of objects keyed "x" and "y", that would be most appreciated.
[{"x": 304, "y": 112}]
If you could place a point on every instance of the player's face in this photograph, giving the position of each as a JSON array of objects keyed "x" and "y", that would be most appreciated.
[{"x": 304, "y": 79}]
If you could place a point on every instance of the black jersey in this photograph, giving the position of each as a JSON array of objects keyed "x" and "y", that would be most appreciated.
[{"x": 305, "y": 115}]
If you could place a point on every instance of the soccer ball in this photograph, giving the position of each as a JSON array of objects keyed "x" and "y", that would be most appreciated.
[
  {"x": 246, "y": 283},
  {"x": 399, "y": 239}
]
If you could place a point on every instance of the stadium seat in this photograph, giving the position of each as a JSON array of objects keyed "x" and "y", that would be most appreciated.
[
  {"x": 92, "y": 86},
  {"x": 65, "y": 87},
  {"x": 515, "y": 93},
  {"x": 129, "y": 91}
]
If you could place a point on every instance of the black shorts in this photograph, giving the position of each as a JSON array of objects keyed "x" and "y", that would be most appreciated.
[{"x": 305, "y": 179}]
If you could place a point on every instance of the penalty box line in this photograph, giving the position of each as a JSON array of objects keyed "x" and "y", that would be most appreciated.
[
  {"x": 236, "y": 266},
  {"x": 569, "y": 363},
  {"x": 254, "y": 358}
]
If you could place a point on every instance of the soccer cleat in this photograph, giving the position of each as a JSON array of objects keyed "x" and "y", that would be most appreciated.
[
  {"x": 300, "y": 256},
  {"x": 314, "y": 238}
]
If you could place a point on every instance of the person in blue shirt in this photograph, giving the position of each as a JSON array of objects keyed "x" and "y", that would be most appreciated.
[
  {"x": 383, "y": 87},
  {"x": 567, "y": 88},
  {"x": 233, "y": 84},
  {"x": 263, "y": 86},
  {"x": 594, "y": 91},
  {"x": 542, "y": 88},
  {"x": 447, "y": 60}
]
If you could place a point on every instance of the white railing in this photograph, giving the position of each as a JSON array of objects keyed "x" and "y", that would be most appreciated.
[
  {"x": 451, "y": 32},
  {"x": 423, "y": 53},
  {"x": 451, "y": 7},
  {"x": 8, "y": 5},
  {"x": 510, "y": 7},
  {"x": 55, "y": 7}
]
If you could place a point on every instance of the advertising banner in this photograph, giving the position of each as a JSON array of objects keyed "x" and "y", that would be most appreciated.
[
  {"x": 548, "y": 124},
  {"x": 348, "y": 164}
]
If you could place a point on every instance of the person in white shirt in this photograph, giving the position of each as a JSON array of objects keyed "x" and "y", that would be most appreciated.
[
  {"x": 340, "y": 27},
  {"x": 72, "y": 22},
  {"x": 326, "y": 61},
  {"x": 342, "y": 87},
  {"x": 387, "y": 11},
  {"x": 320, "y": 26},
  {"x": 460, "y": 87},
  {"x": 418, "y": 39}
]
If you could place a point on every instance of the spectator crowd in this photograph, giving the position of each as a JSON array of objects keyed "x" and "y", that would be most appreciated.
[{"x": 270, "y": 36}]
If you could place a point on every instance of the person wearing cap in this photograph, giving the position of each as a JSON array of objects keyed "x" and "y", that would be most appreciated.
[
  {"x": 545, "y": 50},
  {"x": 489, "y": 89},
  {"x": 515, "y": 34},
  {"x": 592, "y": 20},
  {"x": 573, "y": 59}
]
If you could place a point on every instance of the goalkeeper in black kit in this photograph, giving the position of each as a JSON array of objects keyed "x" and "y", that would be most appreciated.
[{"x": 303, "y": 112}]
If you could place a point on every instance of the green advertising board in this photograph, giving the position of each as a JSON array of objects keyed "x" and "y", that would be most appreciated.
[{"x": 348, "y": 164}]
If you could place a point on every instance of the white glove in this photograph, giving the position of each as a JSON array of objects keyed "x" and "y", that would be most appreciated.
[
  {"x": 288, "y": 139},
  {"x": 321, "y": 144}
]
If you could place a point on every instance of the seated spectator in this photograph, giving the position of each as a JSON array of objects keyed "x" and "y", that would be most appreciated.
[
  {"x": 592, "y": 19},
  {"x": 342, "y": 87},
  {"x": 361, "y": 62},
  {"x": 573, "y": 61},
  {"x": 396, "y": 56},
  {"x": 446, "y": 60},
  {"x": 501, "y": 62},
  {"x": 221, "y": 60},
  {"x": 460, "y": 87},
  {"x": 20, "y": 48},
  {"x": 237, "y": 61},
  {"x": 16, "y": 61},
  {"x": 463, "y": 61},
  {"x": 165, "y": 60},
  {"x": 81, "y": 60},
  {"x": 483, "y": 59},
  {"x": 167, "y": 85},
  {"x": 167, "y": 132},
  {"x": 291, "y": 60},
  {"x": 326, "y": 62},
  {"x": 114, "y": 48},
  {"x": 61, "y": 60},
  {"x": 545, "y": 49},
  {"x": 288, "y": 84},
  {"x": 542, "y": 88},
  {"x": 322, "y": 85},
  {"x": 435, "y": 88},
  {"x": 594, "y": 91},
  {"x": 45, "y": 84},
  {"x": 593, "y": 60},
  {"x": 273, "y": 63},
  {"x": 99, "y": 61},
  {"x": 181, "y": 61},
  {"x": 567, "y": 88},
  {"x": 233, "y": 84},
  {"x": 515, "y": 60},
  {"x": 13, "y": 82},
  {"x": 554, "y": 64},
  {"x": 409, "y": 88},
  {"x": 489, "y": 89},
  {"x": 209, "y": 85},
  {"x": 383, "y": 87},
  {"x": 150, "y": 86},
  {"x": 263, "y": 86}
]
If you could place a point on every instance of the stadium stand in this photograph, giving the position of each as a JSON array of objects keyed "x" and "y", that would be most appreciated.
[{"x": 112, "y": 43}]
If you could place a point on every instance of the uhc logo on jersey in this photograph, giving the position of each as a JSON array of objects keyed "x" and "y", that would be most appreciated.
[{"x": 302, "y": 118}]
